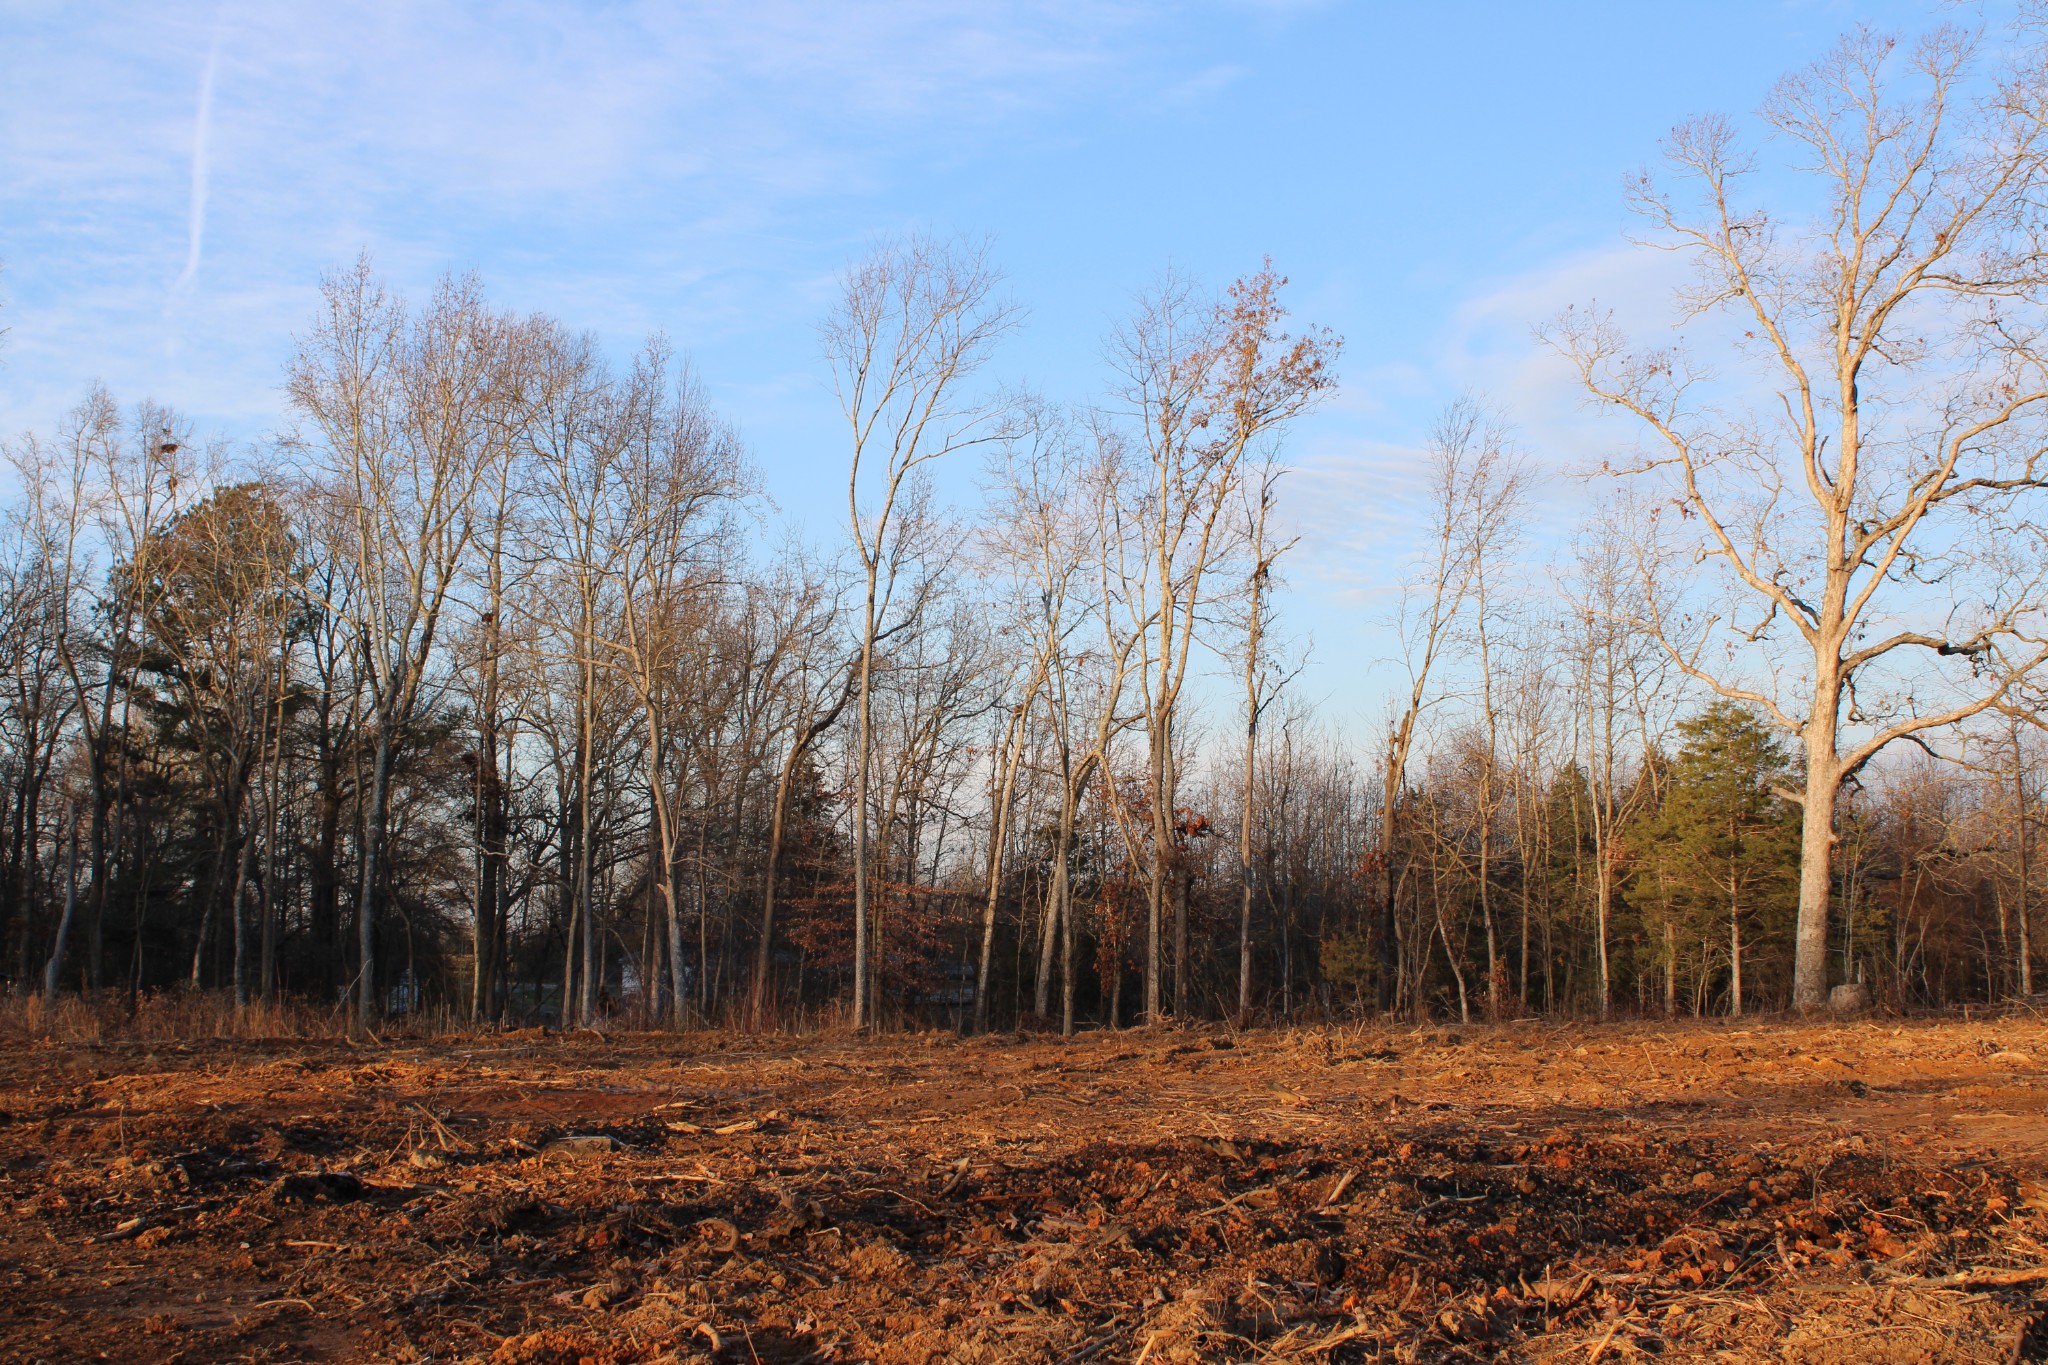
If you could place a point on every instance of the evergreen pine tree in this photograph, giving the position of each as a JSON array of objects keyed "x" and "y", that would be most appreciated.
[{"x": 1722, "y": 860}]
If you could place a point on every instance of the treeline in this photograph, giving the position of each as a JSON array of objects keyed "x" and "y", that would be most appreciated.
[
  {"x": 1584, "y": 827},
  {"x": 487, "y": 687},
  {"x": 472, "y": 695}
]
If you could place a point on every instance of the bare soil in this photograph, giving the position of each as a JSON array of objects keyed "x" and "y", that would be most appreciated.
[{"x": 1868, "y": 1192}]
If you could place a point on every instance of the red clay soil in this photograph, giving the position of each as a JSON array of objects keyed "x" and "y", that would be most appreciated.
[{"x": 1870, "y": 1192}]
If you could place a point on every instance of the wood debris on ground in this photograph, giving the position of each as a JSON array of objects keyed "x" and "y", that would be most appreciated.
[{"x": 1868, "y": 1192}]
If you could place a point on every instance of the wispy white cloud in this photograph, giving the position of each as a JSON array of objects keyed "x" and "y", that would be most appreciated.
[
  {"x": 580, "y": 151},
  {"x": 202, "y": 126},
  {"x": 1202, "y": 86},
  {"x": 1359, "y": 497},
  {"x": 1490, "y": 343}
]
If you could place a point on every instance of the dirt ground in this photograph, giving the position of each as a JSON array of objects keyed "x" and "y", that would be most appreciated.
[{"x": 1865, "y": 1192}]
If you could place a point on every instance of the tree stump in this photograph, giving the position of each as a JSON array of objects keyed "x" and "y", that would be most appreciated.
[{"x": 1849, "y": 998}]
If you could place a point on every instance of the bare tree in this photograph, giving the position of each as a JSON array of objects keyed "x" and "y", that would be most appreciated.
[
  {"x": 1086, "y": 686},
  {"x": 1529, "y": 711},
  {"x": 1035, "y": 543},
  {"x": 121, "y": 485},
  {"x": 403, "y": 407},
  {"x": 811, "y": 682},
  {"x": 2022, "y": 844},
  {"x": 37, "y": 605},
  {"x": 579, "y": 432},
  {"x": 1894, "y": 338},
  {"x": 498, "y": 570},
  {"x": 680, "y": 472},
  {"x": 1993, "y": 836},
  {"x": 53, "y": 972},
  {"x": 1465, "y": 450},
  {"x": 1205, "y": 382},
  {"x": 1494, "y": 507},
  {"x": 1262, "y": 684},
  {"x": 1027, "y": 678},
  {"x": 1620, "y": 682},
  {"x": 913, "y": 324}
]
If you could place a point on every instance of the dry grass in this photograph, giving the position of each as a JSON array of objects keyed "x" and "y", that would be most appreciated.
[
  {"x": 181, "y": 1015},
  {"x": 163, "y": 1016}
]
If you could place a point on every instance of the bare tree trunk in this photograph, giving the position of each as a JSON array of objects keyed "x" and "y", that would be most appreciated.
[
  {"x": 1734, "y": 960},
  {"x": 764, "y": 950},
  {"x": 216, "y": 872},
  {"x": 1450, "y": 955},
  {"x": 1012, "y": 755},
  {"x": 1255, "y": 702},
  {"x": 272, "y": 867},
  {"x": 567, "y": 902},
  {"x": 482, "y": 926},
  {"x": 1670, "y": 970},
  {"x": 2021, "y": 833},
  {"x": 1483, "y": 546},
  {"x": 661, "y": 871},
  {"x": 1067, "y": 956},
  {"x": 1162, "y": 860},
  {"x": 1525, "y": 838},
  {"x": 1058, "y": 909},
  {"x": 1247, "y": 878},
  {"x": 1180, "y": 935},
  {"x": 703, "y": 919},
  {"x": 862, "y": 757},
  {"x": 267, "y": 907},
  {"x": 678, "y": 988},
  {"x": 1816, "y": 850},
  {"x": 1387, "y": 930},
  {"x": 485, "y": 926},
  {"x": 53, "y": 973},
  {"x": 246, "y": 855},
  {"x": 368, "y": 1007},
  {"x": 1603, "y": 892}
]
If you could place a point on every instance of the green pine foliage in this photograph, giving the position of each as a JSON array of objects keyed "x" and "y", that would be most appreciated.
[{"x": 1717, "y": 879}]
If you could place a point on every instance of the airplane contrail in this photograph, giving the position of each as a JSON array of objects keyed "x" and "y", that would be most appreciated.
[{"x": 195, "y": 222}]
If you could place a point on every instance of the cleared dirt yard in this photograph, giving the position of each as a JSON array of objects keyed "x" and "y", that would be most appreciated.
[{"x": 1868, "y": 1192}]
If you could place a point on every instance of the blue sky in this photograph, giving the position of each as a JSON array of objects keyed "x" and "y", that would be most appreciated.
[{"x": 1436, "y": 179}]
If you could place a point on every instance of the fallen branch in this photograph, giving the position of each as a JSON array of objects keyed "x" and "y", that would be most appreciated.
[
  {"x": 1984, "y": 1277},
  {"x": 1111, "y": 1330}
]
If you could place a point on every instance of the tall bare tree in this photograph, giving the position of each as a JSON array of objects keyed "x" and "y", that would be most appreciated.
[
  {"x": 1879, "y": 424},
  {"x": 582, "y": 425},
  {"x": 121, "y": 482},
  {"x": 403, "y": 407},
  {"x": 38, "y": 619},
  {"x": 1262, "y": 684},
  {"x": 1621, "y": 674},
  {"x": 1205, "y": 382},
  {"x": 1494, "y": 507},
  {"x": 485, "y": 649},
  {"x": 1034, "y": 544},
  {"x": 680, "y": 473},
  {"x": 914, "y": 322},
  {"x": 1466, "y": 449},
  {"x": 1086, "y": 686},
  {"x": 810, "y": 681}
]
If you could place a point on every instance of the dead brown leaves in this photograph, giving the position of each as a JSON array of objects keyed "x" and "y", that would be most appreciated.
[{"x": 1523, "y": 1193}]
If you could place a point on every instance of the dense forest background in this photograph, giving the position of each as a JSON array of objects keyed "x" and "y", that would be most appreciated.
[{"x": 490, "y": 686}]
